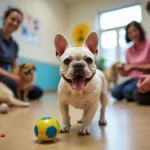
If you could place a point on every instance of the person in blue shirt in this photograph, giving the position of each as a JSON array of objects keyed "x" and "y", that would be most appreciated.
[{"x": 12, "y": 19}]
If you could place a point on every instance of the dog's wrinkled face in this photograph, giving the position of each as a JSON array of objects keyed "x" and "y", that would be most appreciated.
[
  {"x": 26, "y": 71},
  {"x": 77, "y": 63}
]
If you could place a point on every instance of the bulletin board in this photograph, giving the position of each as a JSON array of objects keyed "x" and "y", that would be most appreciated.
[{"x": 30, "y": 29}]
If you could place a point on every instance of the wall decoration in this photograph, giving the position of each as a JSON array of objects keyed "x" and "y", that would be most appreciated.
[
  {"x": 79, "y": 33},
  {"x": 30, "y": 29}
]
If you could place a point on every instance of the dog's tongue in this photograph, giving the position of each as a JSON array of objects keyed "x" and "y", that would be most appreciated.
[{"x": 78, "y": 83}]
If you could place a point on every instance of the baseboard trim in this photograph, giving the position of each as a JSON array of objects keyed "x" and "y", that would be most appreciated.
[{"x": 50, "y": 90}]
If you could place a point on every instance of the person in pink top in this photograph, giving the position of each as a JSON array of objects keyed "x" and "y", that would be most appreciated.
[{"x": 138, "y": 61}]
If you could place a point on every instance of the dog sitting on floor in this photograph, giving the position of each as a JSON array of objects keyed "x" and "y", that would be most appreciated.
[{"x": 27, "y": 73}]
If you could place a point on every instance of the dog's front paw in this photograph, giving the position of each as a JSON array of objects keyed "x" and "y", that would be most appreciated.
[
  {"x": 84, "y": 131},
  {"x": 4, "y": 108},
  {"x": 26, "y": 99},
  {"x": 26, "y": 104},
  {"x": 80, "y": 121},
  {"x": 65, "y": 128},
  {"x": 103, "y": 122}
]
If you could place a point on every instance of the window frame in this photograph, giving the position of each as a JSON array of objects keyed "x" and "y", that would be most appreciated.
[{"x": 100, "y": 31}]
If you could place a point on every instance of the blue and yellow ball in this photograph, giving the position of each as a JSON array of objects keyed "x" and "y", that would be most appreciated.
[{"x": 47, "y": 129}]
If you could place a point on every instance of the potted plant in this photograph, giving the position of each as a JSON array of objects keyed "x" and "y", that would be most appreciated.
[{"x": 100, "y": 63}]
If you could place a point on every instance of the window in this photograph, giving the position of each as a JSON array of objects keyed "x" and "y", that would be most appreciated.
[{"x": 112, "y": 32}]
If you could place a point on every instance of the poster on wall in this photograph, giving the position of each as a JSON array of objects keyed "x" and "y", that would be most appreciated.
[{"x": 30, "y": 29}]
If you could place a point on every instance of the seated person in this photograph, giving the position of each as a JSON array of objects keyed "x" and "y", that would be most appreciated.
[
  {"x": 137, "y": 57},
  {"x": 9, "y": 53}
]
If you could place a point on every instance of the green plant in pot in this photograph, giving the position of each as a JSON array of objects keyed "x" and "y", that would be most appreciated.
[{"x": 100, "y": 63}]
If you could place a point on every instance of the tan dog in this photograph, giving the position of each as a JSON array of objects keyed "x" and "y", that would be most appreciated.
[
  {"x": 82, "y": 85},
  {"x": 7, "y": 99},
  {"x": 111, "y": 73},
  {"x": 27, "y": 73}
]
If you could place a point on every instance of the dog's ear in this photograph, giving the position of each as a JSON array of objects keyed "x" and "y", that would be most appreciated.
[
  {"x": 22, "y": 66},
  {"x": 91, "y": 41},
  {"x": 61, "y": 44}
]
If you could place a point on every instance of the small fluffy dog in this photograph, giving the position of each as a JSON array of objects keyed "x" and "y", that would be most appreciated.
[
  {"x": 27, "y": 73},
  {"x": 7, "y": 99},
  {"x": 81, "y": 84},
  {"x": 111, "y": 73}
]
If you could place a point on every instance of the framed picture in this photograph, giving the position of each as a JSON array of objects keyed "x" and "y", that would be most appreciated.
[{"x": 30, "y": 29}]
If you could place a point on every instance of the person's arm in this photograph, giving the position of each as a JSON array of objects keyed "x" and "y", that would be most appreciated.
[
  {"x": 121, "y": 69},
  {"x": 14, "y": 64},
  {"x": 15, "y": 61},
  {"x": 123, "y": 72},
  {"x": 144, "y": 68},
  {"x": 12, "y": 76},
  {"x": 144, "y": 84},
  {"x": 9, "y": 75}
]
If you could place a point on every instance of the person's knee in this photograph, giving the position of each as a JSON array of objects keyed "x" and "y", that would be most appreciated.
[
  {"x": 136, "y": 95},
  {"x": 116, "y": 93},
  {"x": 128, "y": 93},
  {"x": 36, "y": 93},
  {"x": 39, "y": 93}
]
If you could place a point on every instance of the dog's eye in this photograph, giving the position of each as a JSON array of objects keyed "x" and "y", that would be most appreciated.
[
  {"x": 25, "y": 69},
  {"x": 67, "y": 61},
  {"x": 89, "y": 60}
]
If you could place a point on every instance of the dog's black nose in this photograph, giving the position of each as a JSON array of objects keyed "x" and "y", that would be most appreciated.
[{"x": 78, "y": 66}]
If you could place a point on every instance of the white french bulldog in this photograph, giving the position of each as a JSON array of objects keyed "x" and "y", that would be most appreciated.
[{"x": 82, "y": 85}]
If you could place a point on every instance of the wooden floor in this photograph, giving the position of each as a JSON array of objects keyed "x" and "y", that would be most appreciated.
[{"x": 128, "y": 128}]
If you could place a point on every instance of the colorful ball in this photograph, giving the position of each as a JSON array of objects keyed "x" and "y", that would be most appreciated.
[{"x": 47, "y": 129}]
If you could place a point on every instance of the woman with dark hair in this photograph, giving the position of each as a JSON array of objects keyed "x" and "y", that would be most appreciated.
[
  {"x": 138, "y": 60},
  {"x": 9, "y": 52}
]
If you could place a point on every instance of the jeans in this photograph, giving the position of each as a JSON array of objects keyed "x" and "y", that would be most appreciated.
[{"x": 125, "y": 90}]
